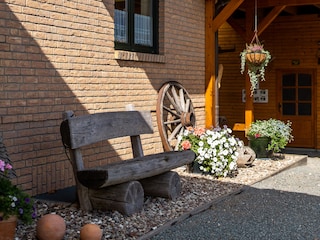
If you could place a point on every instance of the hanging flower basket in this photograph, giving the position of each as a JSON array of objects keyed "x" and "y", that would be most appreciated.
[{"x": 256, "y": 58}]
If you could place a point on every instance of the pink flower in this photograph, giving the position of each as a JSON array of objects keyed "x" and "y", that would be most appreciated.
[
  {"x": 199, "y": 131},
  {"x": 186, "y": 145},
  {"x": 2, "y": 165},
  {"x": 8, "y": 166},
  {"x": 257, "y": 135}
]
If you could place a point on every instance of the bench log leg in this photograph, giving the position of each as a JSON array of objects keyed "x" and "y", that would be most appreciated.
[
  {"x": 126, "y": 198},
  {"x": 167, "y": 185}
]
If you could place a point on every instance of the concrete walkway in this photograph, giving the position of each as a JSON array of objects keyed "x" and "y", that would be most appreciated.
[{"x": 285, "y": 206}]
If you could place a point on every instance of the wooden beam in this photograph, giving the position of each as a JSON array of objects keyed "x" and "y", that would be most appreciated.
[
  {"x": 269, "y": 18},
  {"x": 274, "y": 3},
  {"x": 209, "y": 64},
  {"x": 292, "y": 10},
  {"x": 225, "y": 13},
  {"x": 239, "y": 29}
]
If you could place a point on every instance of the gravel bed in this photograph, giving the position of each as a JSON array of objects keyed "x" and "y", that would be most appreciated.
[{"x": 197, "y": 190}]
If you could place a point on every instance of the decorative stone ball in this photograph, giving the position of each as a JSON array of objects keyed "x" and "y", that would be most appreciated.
[
  {"x": 51, "y": 226},
  {"x": 90, "y": 231}
]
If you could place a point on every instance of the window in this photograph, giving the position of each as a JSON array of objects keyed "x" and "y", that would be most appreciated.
[{"x": 136, "y": 25}]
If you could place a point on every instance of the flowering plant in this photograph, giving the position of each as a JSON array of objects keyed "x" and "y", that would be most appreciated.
[
  {"x": 279, "y": 132},
  {"x": 13, "y": 201},
  {"x": 256, "y": 66},
  {"x": 215, "y": 149}
]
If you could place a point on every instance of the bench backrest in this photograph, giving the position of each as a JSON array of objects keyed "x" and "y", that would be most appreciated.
[{"x": 93, "y": 128}]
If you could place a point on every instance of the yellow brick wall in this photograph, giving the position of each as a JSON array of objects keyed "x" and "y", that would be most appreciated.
[{"x": 59, "y": 55}]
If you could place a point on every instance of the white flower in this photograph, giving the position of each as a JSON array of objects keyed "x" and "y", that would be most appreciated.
[{"x": 216, "y": 150}]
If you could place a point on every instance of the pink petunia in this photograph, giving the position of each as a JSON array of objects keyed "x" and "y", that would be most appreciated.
[
  {"x": 2, "y": 165},
  {"x": 186, "y": 145},
  {"x": 199, "y": 131},
  {"x": 8, "y": 166}
]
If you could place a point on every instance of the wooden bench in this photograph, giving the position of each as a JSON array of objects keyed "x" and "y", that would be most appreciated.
[{"x": 122, "y": 185}]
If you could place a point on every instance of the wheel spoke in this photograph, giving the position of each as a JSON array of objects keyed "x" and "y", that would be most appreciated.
[
  {"x": 174, "y": 133},
  {"x": 172, "y": 121},
  {"x": 182, "y": 103},
  {"x": 171, "y": 111},
  {"x": 176, "y": 99},
  {"x": 172, "y": 101},
  {"x": 176, "y": 148},
  {"x": 186, "y": 109}
]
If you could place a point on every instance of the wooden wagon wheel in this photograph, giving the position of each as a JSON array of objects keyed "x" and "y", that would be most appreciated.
[{"x": 174, "y": 113}]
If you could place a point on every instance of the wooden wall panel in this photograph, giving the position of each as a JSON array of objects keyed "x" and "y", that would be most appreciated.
[{"x": 287, "y": 39}]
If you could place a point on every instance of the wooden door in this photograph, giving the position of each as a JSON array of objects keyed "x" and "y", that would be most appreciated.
[{"x": 296, "y": 102}]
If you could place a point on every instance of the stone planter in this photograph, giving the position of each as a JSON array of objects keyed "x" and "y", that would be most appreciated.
[{"x": 259, "y": 146}]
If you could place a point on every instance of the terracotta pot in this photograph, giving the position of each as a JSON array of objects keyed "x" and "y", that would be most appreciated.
[
  {"x": 8, "y": 228},
  {"x": 256, "y": 58}
]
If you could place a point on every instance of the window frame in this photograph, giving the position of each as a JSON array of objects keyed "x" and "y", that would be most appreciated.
[{"x": 131, "y": 46}]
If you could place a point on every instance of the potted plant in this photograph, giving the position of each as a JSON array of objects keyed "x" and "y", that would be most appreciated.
[
  {"x": 274, "y": 133},
  {"x": 15, "y": 204},
  {"x": 256, "y": 58},
  {"x": 215, "y": 149}
]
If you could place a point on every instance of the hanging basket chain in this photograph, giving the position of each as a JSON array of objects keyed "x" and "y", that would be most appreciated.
[
  {"x": 255, "y": 57},
  {"x": 255, "y": 36},
  {"x": 255, "y": 39}
]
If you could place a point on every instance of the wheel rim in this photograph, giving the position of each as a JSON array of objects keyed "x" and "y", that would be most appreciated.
[{"x": 175, "y": 112}]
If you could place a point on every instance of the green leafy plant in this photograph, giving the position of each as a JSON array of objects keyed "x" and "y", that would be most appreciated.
[
  {"x": 13, "y": 200},
  {"x": 279, "y": 132},
  {"x": 215, "y": 149},
  {"x": 256, "y": 67}
]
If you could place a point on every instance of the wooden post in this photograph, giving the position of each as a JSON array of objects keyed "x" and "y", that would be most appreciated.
[
  {"x": 210, "y": 72},
  {"x": 249, "y": 117}
]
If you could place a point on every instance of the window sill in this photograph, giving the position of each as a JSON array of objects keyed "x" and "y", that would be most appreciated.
[{"x": 139, "y": 57}]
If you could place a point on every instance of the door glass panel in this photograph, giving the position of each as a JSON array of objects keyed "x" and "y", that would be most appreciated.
[
  {"x": 288, "y": 109},
  {"x": 304, "y": 94},
  {"x": 304, "y": 109},
  {"x": 288, "y": 94},
  {"x": 288, "y": 80},
  {"x": 304, "y": 79}
]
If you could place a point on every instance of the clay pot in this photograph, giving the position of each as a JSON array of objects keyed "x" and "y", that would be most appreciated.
[
  {"x": 8, "y": 228},
  {"x": 90, "y": 232},
  {"x": 51, "y": 226}
]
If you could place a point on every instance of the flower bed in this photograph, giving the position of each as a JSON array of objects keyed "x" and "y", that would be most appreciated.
[{"x": 216, "y": 149}]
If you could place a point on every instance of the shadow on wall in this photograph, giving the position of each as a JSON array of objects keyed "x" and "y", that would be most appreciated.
[
  {"x": 39, "y": 83},
  {"x": 54, "y": 62}
]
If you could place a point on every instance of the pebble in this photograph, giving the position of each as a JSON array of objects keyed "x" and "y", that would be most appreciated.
[{"x": 197, "y": 190}]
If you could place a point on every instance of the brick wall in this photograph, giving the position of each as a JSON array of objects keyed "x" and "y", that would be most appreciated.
[{"x": 58, "y": 55}]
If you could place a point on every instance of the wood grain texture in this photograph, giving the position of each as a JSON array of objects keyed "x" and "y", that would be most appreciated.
[
  {"x": 167, "y": 185},
  {"x": 92, "y": 128},
  {"x": 134, "y": 169},
  {"x": 127, "y": 198}
]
